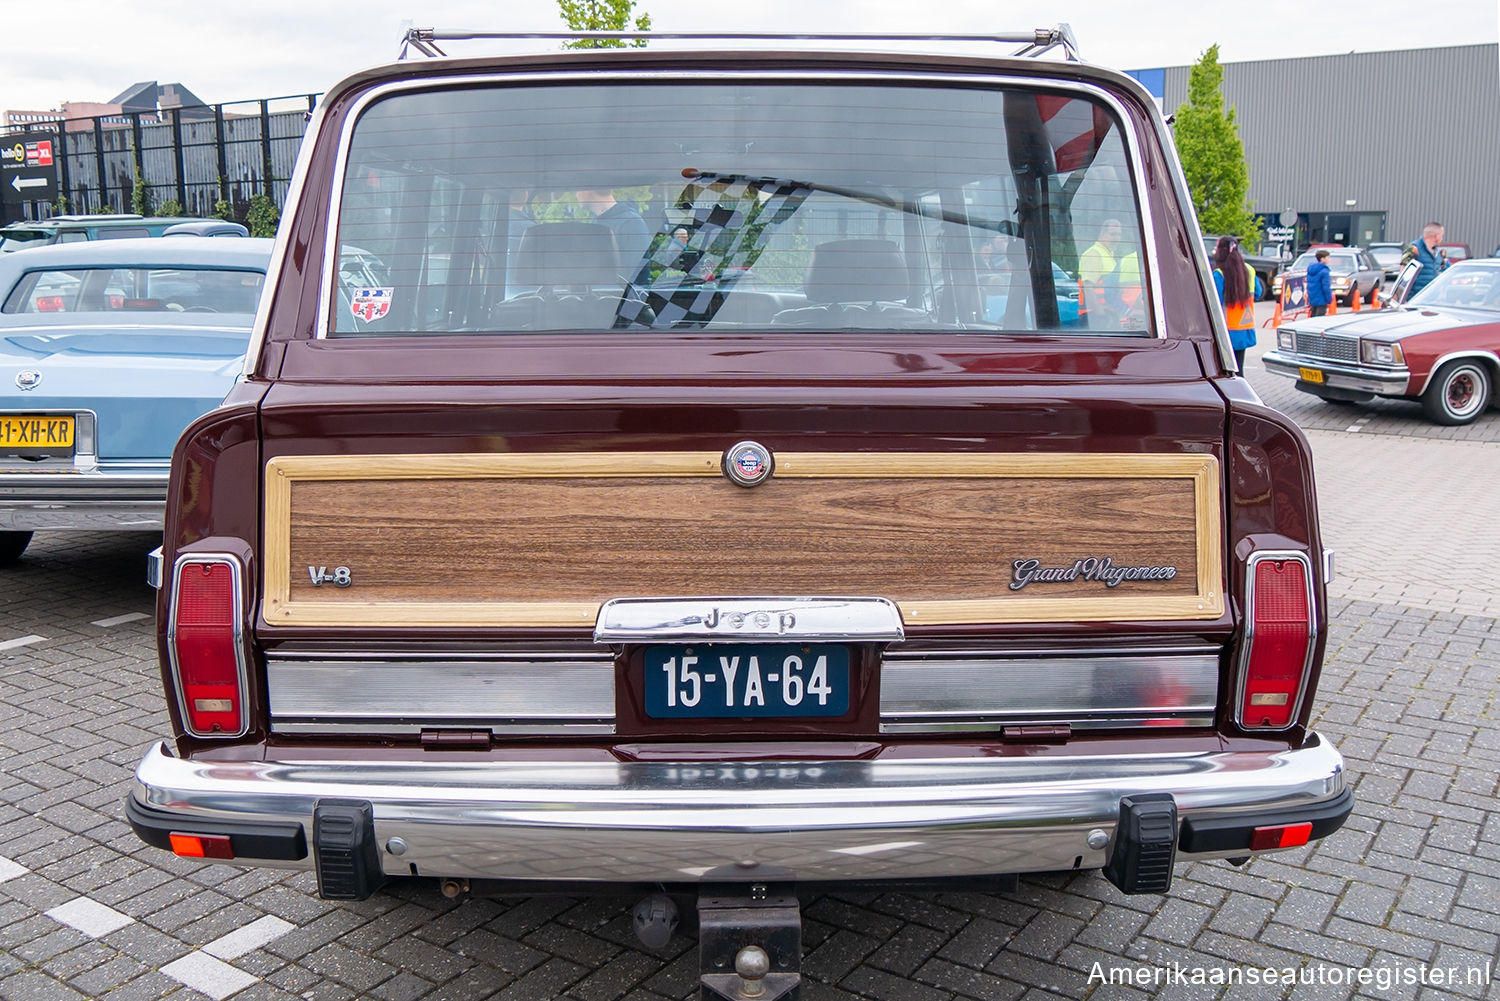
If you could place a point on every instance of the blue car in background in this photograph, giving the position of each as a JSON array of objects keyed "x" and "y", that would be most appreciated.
[{"x": 108, "y": 350}]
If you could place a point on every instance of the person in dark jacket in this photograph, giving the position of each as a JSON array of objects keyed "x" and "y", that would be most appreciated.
[
  {"x": 1319, "y": 284},
  {"x": 631, "y": 235},
  {"x": 1425, "y": 251}
]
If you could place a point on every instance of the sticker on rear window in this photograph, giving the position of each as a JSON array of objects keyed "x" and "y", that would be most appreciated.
[{"x": 371, "y": 303}]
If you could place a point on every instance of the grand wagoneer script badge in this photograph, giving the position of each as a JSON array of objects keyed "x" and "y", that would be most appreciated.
[{"x": 1094, "y": 568}]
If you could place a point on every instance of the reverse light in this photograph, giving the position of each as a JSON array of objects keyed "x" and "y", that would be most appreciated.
[
  {"x": 1379, "y": 353},
  {"x": 204, "y": 646},
  {"x": 1279, "y": 634}
]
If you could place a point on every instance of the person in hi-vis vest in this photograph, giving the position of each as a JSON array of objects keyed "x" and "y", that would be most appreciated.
[
  {"x": 1096, "y": 277},
  {"x": 1238, "y": 289}
]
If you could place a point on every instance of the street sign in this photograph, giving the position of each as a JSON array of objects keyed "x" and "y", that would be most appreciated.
[{"x": 28, "y": 171}]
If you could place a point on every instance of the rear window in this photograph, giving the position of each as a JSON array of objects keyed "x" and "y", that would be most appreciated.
[
  {"x": 136, "y": 290},
  {"x": 20, "y": 239},
  {"x": 726, "y": 206}
]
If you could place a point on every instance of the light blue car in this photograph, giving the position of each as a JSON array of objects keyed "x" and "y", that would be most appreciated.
[{"x": 108, "y": 350}]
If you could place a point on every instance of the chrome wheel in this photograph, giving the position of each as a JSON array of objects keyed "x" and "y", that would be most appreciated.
[{"x": 1458, "y": 393}]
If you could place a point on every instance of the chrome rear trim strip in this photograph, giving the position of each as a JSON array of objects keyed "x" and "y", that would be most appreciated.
[
  {"x": 946, "y": 693},
  {"x": 500, "y": 727},
  {"x": 530, "y": 696}
]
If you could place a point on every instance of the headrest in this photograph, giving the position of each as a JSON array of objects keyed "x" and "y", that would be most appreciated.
[
  {"x": 567, "y": 254},
  {"x": 856, "y": 271}
]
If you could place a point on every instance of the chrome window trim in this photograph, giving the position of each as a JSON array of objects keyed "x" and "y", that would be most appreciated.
[
  {"x": 296, "y": 186},
  {"x": 762, "y": 619},
  {"x": 1243, "y": 667},
  {"x": 237, "y": 578},
  {"x": 323, "y": 326}
]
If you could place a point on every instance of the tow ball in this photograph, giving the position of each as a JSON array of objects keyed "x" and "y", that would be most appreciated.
[{"x": 749, "y": 943}]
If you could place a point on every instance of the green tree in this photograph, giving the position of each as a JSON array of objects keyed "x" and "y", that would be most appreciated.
[
  {"x": 1213, "y": 158},
  {"x": 263, "y": 216},
  {"x": 602, "y": 15}
]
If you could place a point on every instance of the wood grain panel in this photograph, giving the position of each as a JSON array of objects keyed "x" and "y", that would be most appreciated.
[{"x": 544, "y": 539}]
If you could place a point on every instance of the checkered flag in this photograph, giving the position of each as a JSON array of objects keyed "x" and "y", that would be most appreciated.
[{"x": 733, "y": 218}]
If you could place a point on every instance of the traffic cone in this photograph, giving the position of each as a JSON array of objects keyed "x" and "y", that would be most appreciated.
[
  {"x": 1333, "y": 306},
  {"x": 1355, "y": 296},
  {"x": 1275, "y": 320},
  {"x": 1375, "y": 296}
]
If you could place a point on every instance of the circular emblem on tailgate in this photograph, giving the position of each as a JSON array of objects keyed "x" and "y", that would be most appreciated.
[
  {"x": 28, "y": 378},
  {"x": 748, "y": 463}
]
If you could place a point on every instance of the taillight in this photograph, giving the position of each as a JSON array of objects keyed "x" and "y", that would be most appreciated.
[
  {"x": 1279, "y": 635},
  {"x": 204, "y": 640}
]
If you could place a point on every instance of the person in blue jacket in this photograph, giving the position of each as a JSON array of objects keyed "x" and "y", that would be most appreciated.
[
  {"x": 1425, "y": 252},
  {"x": 1319, "y": 284}
]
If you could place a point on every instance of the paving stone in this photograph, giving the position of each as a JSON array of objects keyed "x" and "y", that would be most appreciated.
[
  {"x": 967, "y": 982},
  {"x": 978, "y": 943}
]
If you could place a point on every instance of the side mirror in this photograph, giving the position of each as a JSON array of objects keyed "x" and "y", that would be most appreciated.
[{"x": 1402, "y": 289}]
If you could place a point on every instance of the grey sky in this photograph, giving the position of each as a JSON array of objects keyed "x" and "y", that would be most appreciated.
[{"x": 229, "y": 52}]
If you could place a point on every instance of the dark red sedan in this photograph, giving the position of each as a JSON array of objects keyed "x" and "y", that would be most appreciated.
[{"x": 1441, "y": 347}]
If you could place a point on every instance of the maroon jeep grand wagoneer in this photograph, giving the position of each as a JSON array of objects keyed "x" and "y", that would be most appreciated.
[{"x": 723, "y": 471}]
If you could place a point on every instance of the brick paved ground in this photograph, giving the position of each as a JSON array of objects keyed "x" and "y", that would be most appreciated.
[{"x": 1410, "y": 887}]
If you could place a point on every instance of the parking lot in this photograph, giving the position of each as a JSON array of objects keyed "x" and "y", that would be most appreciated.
[{"x": 1404, "y": 902}]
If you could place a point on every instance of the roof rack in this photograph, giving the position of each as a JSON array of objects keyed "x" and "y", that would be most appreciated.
[{"x": 1033, "y": 43}]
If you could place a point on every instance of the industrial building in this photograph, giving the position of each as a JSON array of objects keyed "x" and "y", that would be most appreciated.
[{"x": 1367, "y": 146}]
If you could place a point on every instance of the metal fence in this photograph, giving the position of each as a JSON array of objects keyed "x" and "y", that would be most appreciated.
[{"x": 194, "y": 156}]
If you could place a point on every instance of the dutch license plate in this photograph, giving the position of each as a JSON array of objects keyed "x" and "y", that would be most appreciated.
[
  {"x": 36, "y": 435},
  {"x": 747, "y": 679},
  {"x": 1310, "y": 374}
]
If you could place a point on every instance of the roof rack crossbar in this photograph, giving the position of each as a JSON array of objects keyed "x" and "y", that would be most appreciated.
[{"x": 1033, "y": 43}]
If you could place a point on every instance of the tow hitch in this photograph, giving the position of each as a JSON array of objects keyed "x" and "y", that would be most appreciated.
[{"x": 749, "y": 942}]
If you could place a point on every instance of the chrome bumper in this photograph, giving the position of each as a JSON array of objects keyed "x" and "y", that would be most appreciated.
[
  {"x": 1340, "y": 375},
  {"x": 671, "y": 822},
  {"x": 131, "y": 500}
]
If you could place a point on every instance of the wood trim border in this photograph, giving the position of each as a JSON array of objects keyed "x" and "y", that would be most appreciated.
[{"x": 282, "y": 472}]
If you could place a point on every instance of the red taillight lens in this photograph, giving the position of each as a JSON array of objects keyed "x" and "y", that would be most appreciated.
[
  {"x": 1281, "y": 623},
  {"x": 1282, "y": 836},
  {"x": 201, "y": 845},
  {"x": 205, "y": 649},
  {"x": 51, "y": 304}
]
